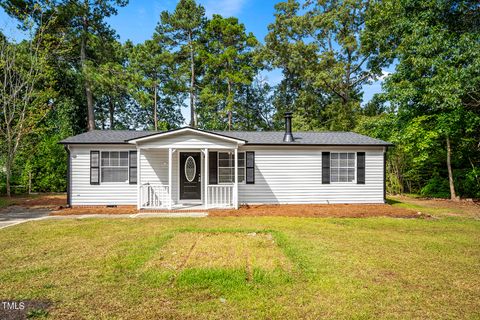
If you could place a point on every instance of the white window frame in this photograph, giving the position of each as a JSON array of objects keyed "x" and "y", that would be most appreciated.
[
  {"x": 244, "y": 167},
  {"x": 354, "y": 181},
  {"x": 127, "y": 167}
]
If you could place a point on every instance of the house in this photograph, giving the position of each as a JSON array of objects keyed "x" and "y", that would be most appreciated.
[{"x": 214, "y": 169}]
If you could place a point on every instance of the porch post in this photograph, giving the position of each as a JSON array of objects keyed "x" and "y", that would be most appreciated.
[
  {"x": 235, "y": 187},
  {"x": 170, "y": 184},
  {"x": 205, "y": 178},
  {"x": 139, "y": 179}
]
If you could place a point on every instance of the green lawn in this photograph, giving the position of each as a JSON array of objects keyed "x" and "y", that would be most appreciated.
[{"x": 222, "y": 268}]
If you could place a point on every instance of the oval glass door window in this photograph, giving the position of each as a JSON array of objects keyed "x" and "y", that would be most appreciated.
[{"x": 190, "y": 169}]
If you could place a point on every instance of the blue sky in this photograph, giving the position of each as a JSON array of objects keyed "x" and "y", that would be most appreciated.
[{"x": 138, "y": 19}]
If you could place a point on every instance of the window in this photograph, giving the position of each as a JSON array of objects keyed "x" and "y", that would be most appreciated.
[
  {"x": 226, "y": 167},
  {"x": 342, "y": 167},
  {"x": 114, "y": 166}
]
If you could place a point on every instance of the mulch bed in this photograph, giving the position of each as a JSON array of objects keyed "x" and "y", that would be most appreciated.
[
  {"x": 319, "y": 210},
  {"x": 41, "y": 201},
  {"x": 94, "y": 210},
  {"x": 286, "y": 210}
]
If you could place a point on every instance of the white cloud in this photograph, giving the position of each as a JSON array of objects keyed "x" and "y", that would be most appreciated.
[
  {"x": 384, "y": 75},
  {"x": 226, "y": 8}
]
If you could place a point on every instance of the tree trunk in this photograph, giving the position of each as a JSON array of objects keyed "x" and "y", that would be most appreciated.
[
  {"x": 8, "y": 173},
  {"x": 193, "y": 116},
  {"x": 453, "y": 196},
  {"x": 155, "y": 116},
  {"x": 83, "y": 60},
  {"x": 111, "y": 111},
  {"x": 229, "y": 104}
]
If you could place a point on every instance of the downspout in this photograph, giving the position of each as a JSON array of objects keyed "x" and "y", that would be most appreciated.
[
  {"x": 69, "y": 191},
  {"x": 385, "y": 174}
]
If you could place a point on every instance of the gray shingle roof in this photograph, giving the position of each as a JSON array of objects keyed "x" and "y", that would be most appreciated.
[
  {"x": 252, "y": 137},
  {"x": 305, "y": 138},
  {"x": 106, "y": 136}
]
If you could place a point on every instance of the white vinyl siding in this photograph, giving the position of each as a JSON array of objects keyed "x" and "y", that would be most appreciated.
[
  {"x": 84, "y": 193},
  {"x": 188, "y": 141},
  {"x": 294, "y": 175},
  {"x": 282, "y": 175}
]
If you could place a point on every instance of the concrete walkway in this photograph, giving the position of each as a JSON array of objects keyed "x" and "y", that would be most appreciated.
[
  {"x": 15, "y": 215},
  {"x": 135, "y": 215}
]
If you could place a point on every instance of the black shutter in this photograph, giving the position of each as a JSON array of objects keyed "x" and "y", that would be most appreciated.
[
  {"x": 360, "y": 167},
  {"x": 250, "y": 167},
  {"x": 213, "y": 167},
  {"x": 94, "y": 167},
  {"x": 132, "y": 167},
  {"x": 325, "y": 167}
]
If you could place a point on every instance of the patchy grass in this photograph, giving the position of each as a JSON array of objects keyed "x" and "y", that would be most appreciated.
[
  {"x": 228, "y": 250},
  {"x": 299, "y": 267}
]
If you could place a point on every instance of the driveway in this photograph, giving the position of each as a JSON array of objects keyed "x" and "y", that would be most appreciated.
[{"x": 15, "y": 214}]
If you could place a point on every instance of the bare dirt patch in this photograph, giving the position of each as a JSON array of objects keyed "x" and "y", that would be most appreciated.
[
  {"x": 319, "y": 210},
  {"x": 228, "y": 250}
]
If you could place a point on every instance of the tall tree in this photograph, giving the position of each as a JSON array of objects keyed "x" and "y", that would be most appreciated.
[
  {"x": 156, "y": 83},
  {"x": 82, "y": 24},
  {"x": 227, "y": 57},
  {"x": 26, "y": 93},
  {"x": 437, "y": 47},
  {"x": 318, "y": 44},
  {"x": 181, "y": 30}
]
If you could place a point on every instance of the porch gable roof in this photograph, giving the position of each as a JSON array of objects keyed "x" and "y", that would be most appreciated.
[{"x": 163, "y": 134}]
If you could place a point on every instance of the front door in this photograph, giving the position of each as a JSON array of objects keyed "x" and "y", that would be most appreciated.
[{"x": 190, "y": 183}]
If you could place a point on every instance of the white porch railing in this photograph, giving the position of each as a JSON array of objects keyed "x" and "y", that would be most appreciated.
[
  {"x": 154, "y": 196},
  {"x": 220, "y": 195}
]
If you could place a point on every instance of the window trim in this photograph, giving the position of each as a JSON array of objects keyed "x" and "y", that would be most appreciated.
[
  {"x": 354, "y": 181},
  {"x": 128, "y": 167},
  {"x": 244, "y": 167}
]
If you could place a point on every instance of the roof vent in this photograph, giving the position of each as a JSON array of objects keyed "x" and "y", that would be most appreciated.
[{"x": 288, "y": 137}]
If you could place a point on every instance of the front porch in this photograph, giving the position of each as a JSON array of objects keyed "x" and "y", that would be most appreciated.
[
  {"x": 179, "y": 170},
  {"x": 157, "y": 196}
]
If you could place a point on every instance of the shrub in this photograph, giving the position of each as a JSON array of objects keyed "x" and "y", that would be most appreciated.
[{"x": 436, "y": 187}]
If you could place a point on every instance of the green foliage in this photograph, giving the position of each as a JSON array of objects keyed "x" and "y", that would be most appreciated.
[
  {"x": 327, "y": 51},
  {"x": 227, "y": 56},
  {"x": 181, "y": 31},
  {"x": 436, "y": 187},
  {"x": 434, "y": 91},
  {"x": 155, "y": 76},
  {"x": 46, "y": 166},
  {"x": 318, "y": 48}
]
